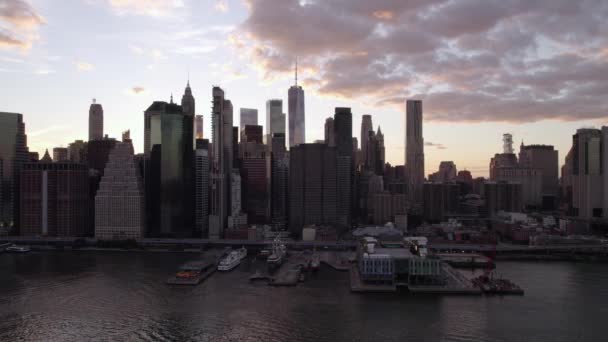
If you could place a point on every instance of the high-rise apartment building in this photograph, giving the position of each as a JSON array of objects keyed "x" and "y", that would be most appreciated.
[
  {"x": 119, "y": 203},
  {"x": 95, "y": 121},
  {"x": 545, "y": 159},
  {"x": 297, "y": 121},
  {"x": 588, "y": 173},
  {"x": 414, "y": 152},
  {"x": 366, "y": 128},
  {"x": 254, "y": 179},
  {"x": 13, "y": 153}
]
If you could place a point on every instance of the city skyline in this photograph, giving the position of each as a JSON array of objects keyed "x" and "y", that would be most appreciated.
[{"x": 68, "y": 71}]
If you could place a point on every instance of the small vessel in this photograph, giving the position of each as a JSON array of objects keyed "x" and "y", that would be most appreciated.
[
  {"x": 17, "y": 249},
  {"x": 490, "y": 285},
  {"x": 232, "y": 260},
  {"x": 278, "y": 254},
  {"x": 192, "y": 273},
  {"x": 4, "y": 246}
]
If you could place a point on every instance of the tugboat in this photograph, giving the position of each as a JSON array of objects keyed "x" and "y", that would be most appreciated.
[
  {"x": 499, "y": 286},
  {"x": 278, "y": 254},
  {"x": 232, "y": 260},
  {"x": 17, "y": 249}
]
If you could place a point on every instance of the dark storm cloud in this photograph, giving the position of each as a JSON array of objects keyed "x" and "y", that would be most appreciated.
[{"x": 471, "y": 60}]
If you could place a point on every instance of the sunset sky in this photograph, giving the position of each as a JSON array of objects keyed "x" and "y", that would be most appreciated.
[{"x": 536, "y": 69}]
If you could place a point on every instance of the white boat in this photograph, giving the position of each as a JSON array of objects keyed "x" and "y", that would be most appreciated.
[
  {"x": 17, "y": 249},
  {"x": 229, "y": 262},
  {"x": 242, "y": 253}
]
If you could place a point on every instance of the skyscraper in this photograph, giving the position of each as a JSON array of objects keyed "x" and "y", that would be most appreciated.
[
  {"x": 544, "y": 158},
  {"x": 587, "y": 177},
  {"x": 201, "y": 191},
  {"x": 343, "y": 131},
  {"x": 254, "y": 179},
  {"x": 54, "y": 198},
  {"x": 170, "y": 172},
  {"x": 297, "y": 126},
  {"x": 248, "y": 116},
  {"x": 275, "y": 119},
  {"x": 198, "y": 124},
  {"x": 221, "y": 163},
  {"x": 313, "y": 193},
  {"x": 60, "y": 154},
  {"x": 414, "y": 153},
  {"x": 119, "y": 203},
  {"x": 330, "y": 138},
  {"x": 77, "y": 151},
  {"x": 279, "y": 182},
  {"x": 95, "y": 121},
  {"x": 366, "y": 128},
  {"x": 13, "y": 153}
]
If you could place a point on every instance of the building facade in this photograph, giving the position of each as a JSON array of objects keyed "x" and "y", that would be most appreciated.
[{"x": 201, "y": 192}]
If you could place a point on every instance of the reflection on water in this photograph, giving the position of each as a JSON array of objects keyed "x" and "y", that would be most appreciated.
[{"x": 77, "y": 296}]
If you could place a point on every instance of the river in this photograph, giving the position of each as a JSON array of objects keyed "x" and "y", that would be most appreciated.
[{"x": 100, "y": 296}]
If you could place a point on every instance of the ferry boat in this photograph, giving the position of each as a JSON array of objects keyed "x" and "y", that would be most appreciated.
[
  {"x": 17, "y": 249},
  {"x": 278, "y": 254},
  {"x": 232, "y": 260}
]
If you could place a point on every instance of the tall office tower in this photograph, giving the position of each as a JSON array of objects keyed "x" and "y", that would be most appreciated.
[
  {"x": 297, "y": 127},
  {"x": 366, "y": 129},
  {"x": 356, "y": 154},
  {"x": 275, "y": 119},
  {"x": 95, "y": 121},
  {"x": 343, "y": 131},
  {"x": 544, "y": 158},
  {"x": 198, "y": 124},
  {"x": 249, "y": 117},
  {"x": 446, "y": 173},
  {"x": 60, "y": 154},
  {"x": 313, "y": 194},
  {"x": 414, "y": 153},
  {"x": 221, "y": 163},
  {"x": 54, "y": 198},
  {"x": 14, "y": 153},
  {"x": 254, "y": 179},
  {"x": 77, "y": 151},
  {"x": 201, "y": 191},
  {"x": 587, "y": 177},
  {"x": 169, "y": 167},
  {"x": 330, "y": 138},
  {"x": 119, "y": 203},
  {"x": 237, "y": 217},
  {"x": 97, "y": 153},
  {"x": 279, "y": 182},
  {"x": 235, "y": 148}
]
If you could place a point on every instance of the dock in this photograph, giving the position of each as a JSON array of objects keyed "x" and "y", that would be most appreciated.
[
  {"x": 339, "y": 261},
  {"x": 467, "y": 260},
  {"x": 357, "y": 285}
]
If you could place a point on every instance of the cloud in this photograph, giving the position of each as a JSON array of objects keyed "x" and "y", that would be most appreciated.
[
  {"x": 221, "y": 6},
  {"x": 436, "y": 145},
  {"x": 469, "y": 60},
  {"x": 19, "y": 23},
  {"x": 46, "y": 130},
  {"x": 153, "y": 8},
  {"x": 84, "y": 66},
  {"x": 137, "y": 90}
]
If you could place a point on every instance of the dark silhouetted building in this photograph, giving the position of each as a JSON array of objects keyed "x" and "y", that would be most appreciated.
[
  {"x": 414, "y": 152},
  {"x": 95, "y": 121},
  {"x": 502, "y": 195},
  {"x": 313, "y": 194},
  {"x": 13, "y": 153},
  {"x": 279, "y": 182},
  {"x": 343, "y": 132},
  {"x": 60, "y": 154},
  {"x": 440, "y": 199},
  {"x": 254, "y": 182},
  {"x": 201, "y": 183},
  {"x": 54, "y": 199}
]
